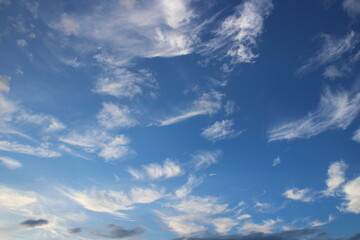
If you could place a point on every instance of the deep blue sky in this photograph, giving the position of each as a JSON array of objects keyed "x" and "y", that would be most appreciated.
[{"x": 179, "y": 119}]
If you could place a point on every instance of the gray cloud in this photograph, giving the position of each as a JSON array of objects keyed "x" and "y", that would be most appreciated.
[
  {"x": 74, "y": 230},
  {"x": 309, "y": 234},
  {"x": 34, "y": 222},
  {"x": 117, "y": 232}
]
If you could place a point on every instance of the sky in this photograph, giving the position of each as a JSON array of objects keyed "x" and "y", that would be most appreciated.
[{"x": 180, "y": 120}]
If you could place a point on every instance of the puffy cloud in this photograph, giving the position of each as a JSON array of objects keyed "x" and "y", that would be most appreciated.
[
  {"x": 112, "y": 116},
  {"x": 10, "y": 163},
  {"x": 207, "y": 103},
  {"x": 352, "y": 196},
  {"x": 40, "y": 151},
  {"x": 336, "y": 177},
  {"x": 220, "y": 130},
  {"x": 276, "y": 161},
  {"x": 335, "y": 111},
  {"x": 21, "y": 42},
  {"x": 117, "y": 232},
  {"x": 298, "y": 194}
]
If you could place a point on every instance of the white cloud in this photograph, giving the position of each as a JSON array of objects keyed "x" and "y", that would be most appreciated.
[
  {"x": 336, "y": 177},
  {"x": 113, "y": 202},
  {"x": 352, "y": 196},
  {"x": 122, "y": 83},
  {"x": 193, "y": 214},
  {"x": 220, "y": 130},
  {"x": 352, "y": 7},
  {"x": 299, "y": 194},
  {"x": 332, "y": 72},
  {"x": 229, "y": 107},
  {"x": 50, "y": 123},
  {"x": 107, "y": 146},
  {"x": 10, "y": 163},
  {"x": 16, "y": 201},
  {"x": 161, "y": 28},
  {"x": 156, "y": 171},
  {"x": 318, "y": 223},
  {"x": 204, "y": 159},
  {"x": 266, "y": 227},
  {"x": 243, "y": 217},
  {"x": 223, "y": 225},
  {"x": 332, "y": 49},
  {"x": 276, "y": 161},
  {"x": 40, "y": 151},
  {"x": 356, "y": 136},
  {"x": 21, "y": 42},
  {"x": 335, "y": 111},
  {"x": 207, "y": 103},
  {"x": 186, "y": 189},
  {"x": 112, "y": 116},
  {"x": 237, "y": 35}
]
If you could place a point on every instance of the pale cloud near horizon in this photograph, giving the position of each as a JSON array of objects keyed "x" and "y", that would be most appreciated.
[
  {"x": 336, "y": 110},
  {"x": 265, "y": 227}
]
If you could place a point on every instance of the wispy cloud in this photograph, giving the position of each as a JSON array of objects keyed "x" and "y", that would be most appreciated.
[
  {"x": 299, "y": 194},
  {"x": 336, "y": 177},
  {"x": 186, "y": 189},
  {"x": 207, "y": 103},
  {"x": 105, "y": 145},
  {"x": 236, "y": 38},
  {"x": 113, "y": 202},
  {"x": 220, "y": 130},
  {"x": 156, "y": 171},
  {"x": 336, "y": 110},
  {"x": 50, "y": 123},
  {"x": 193, "y": 214},
  {"x": 113, "y": 116},
  {"x": 204, "y": 159},
  {"x": 318, "y": 223},
  {"x": 356, "y": 136},
  {"x": 332, "y": 49},
  {"x": 40, "y": 151},
  {"x": 352, "y": 7},
  {"x": 121, "y": 83},
  {"x": 10, "y": 163},
  {"x": 265, "y": 227}
]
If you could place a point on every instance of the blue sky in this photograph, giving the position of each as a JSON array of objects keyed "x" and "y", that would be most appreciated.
[{"x": 180, "y": 119}]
